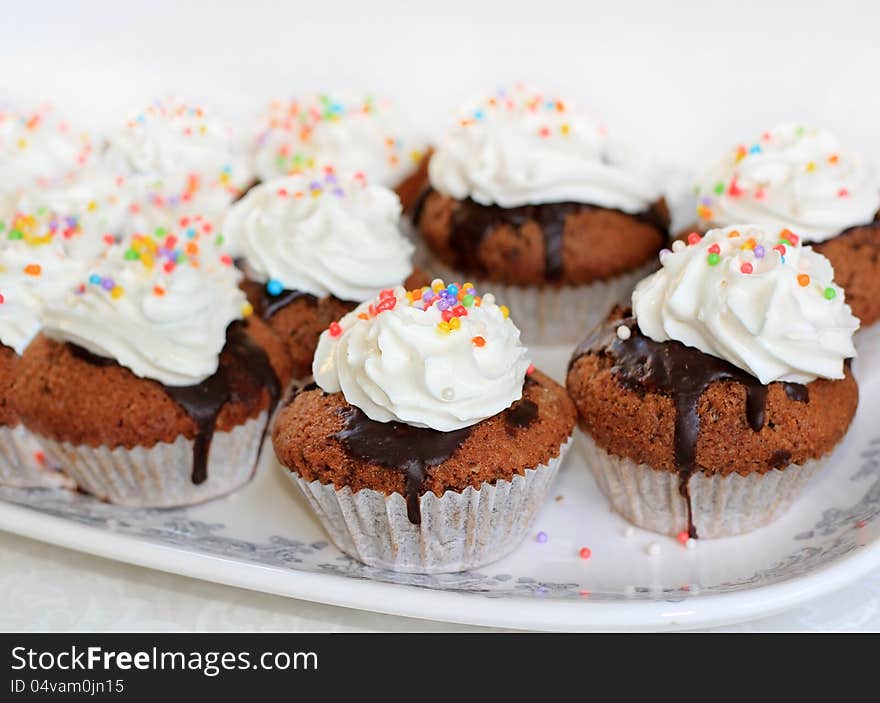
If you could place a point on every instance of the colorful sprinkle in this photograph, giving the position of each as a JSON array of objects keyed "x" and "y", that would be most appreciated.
[
  {"x": 541, "y": 538},
  {"x": 693, "y": 238},
  {"x": 335, "y": 329},
  {"x": 829, "y": 293},
  {"x": 746, "y": 268},
  {"x": 585, "y": 553},
  {"x": 274, "y": 287},
  {"x": 478, "y": 341},
  {"x": 803, "y": 279},
  {"x": 713, "y": 259}
]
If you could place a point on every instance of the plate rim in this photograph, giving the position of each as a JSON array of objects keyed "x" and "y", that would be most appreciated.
[{"x": 516, "y": 613}]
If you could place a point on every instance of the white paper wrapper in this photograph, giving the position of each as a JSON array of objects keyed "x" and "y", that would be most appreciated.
[
  {"x": 722, "y": 505},
  {"x": 161, "y": 476},
  {"x": 551, "y": 315},
  {"x": 458, "y": 532},
  {"x": 19, "y": 466}
]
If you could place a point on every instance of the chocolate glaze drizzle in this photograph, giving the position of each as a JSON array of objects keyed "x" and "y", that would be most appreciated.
[
  {"x": 471, "y": 223},
  {"x": 270, "y": 304},
  {"x": 244, "y": 370},
  {"x": 400, "y": 447},
  {"x": 683, "y": 373},
  {"x": 413, "y": 450}
]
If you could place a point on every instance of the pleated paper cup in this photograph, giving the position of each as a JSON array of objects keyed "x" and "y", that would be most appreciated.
[
  {"x": 459, "y": 531},
  {"x": 161, "y": 476},
  {"x": 20, "y": 465},
  {"x": 551, "y": 314},
  {"x": 723, "y": 506}
]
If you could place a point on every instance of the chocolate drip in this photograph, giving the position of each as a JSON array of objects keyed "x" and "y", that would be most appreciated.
[
  {"x": 797, "y": 392},
  {"x": 268, "y": 304},
  {"x": 471, "y": 223},
  {"x": 400, "y": 447},
  {"x": 683, "y": 373},
  {"x": 243, "y": 372},
  {"x": 521, "y": 414}
]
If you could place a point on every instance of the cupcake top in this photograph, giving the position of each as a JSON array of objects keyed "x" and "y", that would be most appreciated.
[
  {"x": 159, "y": 306},
  {"x": 442, "y": 357},
  {"x": 355, "y": 134},
  {"x": 322, "y": 234},
  {"x": 39, "y": 149},
  {"x": 85, "y": 216},
  {"x": 521, "y": 147},
  {"x": 755, "y": 297},
  {"x": 33, "y": 269},
  {"x": 791, "y": 176},
  {"x": 181, "y": 152}
]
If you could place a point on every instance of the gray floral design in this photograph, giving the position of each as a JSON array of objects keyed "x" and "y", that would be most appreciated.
[{"x": 834, "y": 535}]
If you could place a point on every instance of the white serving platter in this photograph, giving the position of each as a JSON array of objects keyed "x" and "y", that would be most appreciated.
[{"x": 264, "y": 538}]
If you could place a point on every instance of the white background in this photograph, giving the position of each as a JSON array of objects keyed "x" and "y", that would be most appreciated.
[{"x": 682, "y": 81}]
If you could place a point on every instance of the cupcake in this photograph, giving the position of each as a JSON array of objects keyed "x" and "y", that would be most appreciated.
[
  {"x": 802, "y": 179},
  {"x": 46, "y": 242},
  {"x": 146, "y": 384},
  {"x": 313, "y": 246},
  {"x": 428, "y": 441},
  {"x": 173, "y": 152},
  {"x": 353, "y": 133},
  {"x": 38, "y": 149},
  {"x": 530, "y": 195},
  {"x": 708, "y": 407}
]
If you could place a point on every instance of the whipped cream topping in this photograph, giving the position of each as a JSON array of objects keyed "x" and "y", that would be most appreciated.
[
  {"x": 790, "y": 176},
  {"x": 158, "y": 305},
  {"x": 30, "y": 274},
  {"x": 442, "y": 357},
  {"x": 39, "y": 149},
  {"x": 322, "y": 234},
  {"x": 520, "y": 147},
  {"x": 180, "y": 152},
  {"x": 354, "y": 134},
  {"x": 755, "y": 297},
  {"x": 85, "y": 216}
]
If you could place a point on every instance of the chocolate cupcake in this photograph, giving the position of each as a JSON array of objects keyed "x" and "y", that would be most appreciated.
[
  {"x": 801, "y": 179},
  {"x": 708, "y": 407},
  {"x": 147, "y": 385},
  {"x": 313, "y": 246},
  {"x": 428, "y": 442},
  {"x": 530, "y": 197},
  {"x": 354, "y": 134},
  {"x": 177, "y": 153},
  {"x": 46, "y": 244}
]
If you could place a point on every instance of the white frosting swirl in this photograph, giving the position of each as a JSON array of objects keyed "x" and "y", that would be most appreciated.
[
  {"x": 762, "y": 301},
  {"x": 321, "y": 234},
  {"x": 520, "y": 147},
  {"x": 30, "y": 274},
  {"x": 162, "y": 311},
  {"x": 38, "y": 149},
  {"x": 182, "y": 152},
  {"x": 366, "y": 134},
  {"x": 85, "y": 217},
  {"x": 793, "y": 177},
  {"x": 397, "y": 361}
]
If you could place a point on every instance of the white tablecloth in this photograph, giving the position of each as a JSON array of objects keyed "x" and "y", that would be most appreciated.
[{"x": 46, "y": 588}]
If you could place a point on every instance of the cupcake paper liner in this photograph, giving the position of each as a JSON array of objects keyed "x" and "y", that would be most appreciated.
[
  {"x": 19, "y": 466},
  {"x": 458, "y": 532},
  {"x": 550, "y": 314},
  {"x": 161, "y": 476},
  {"x": 723, "y": 506}
]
